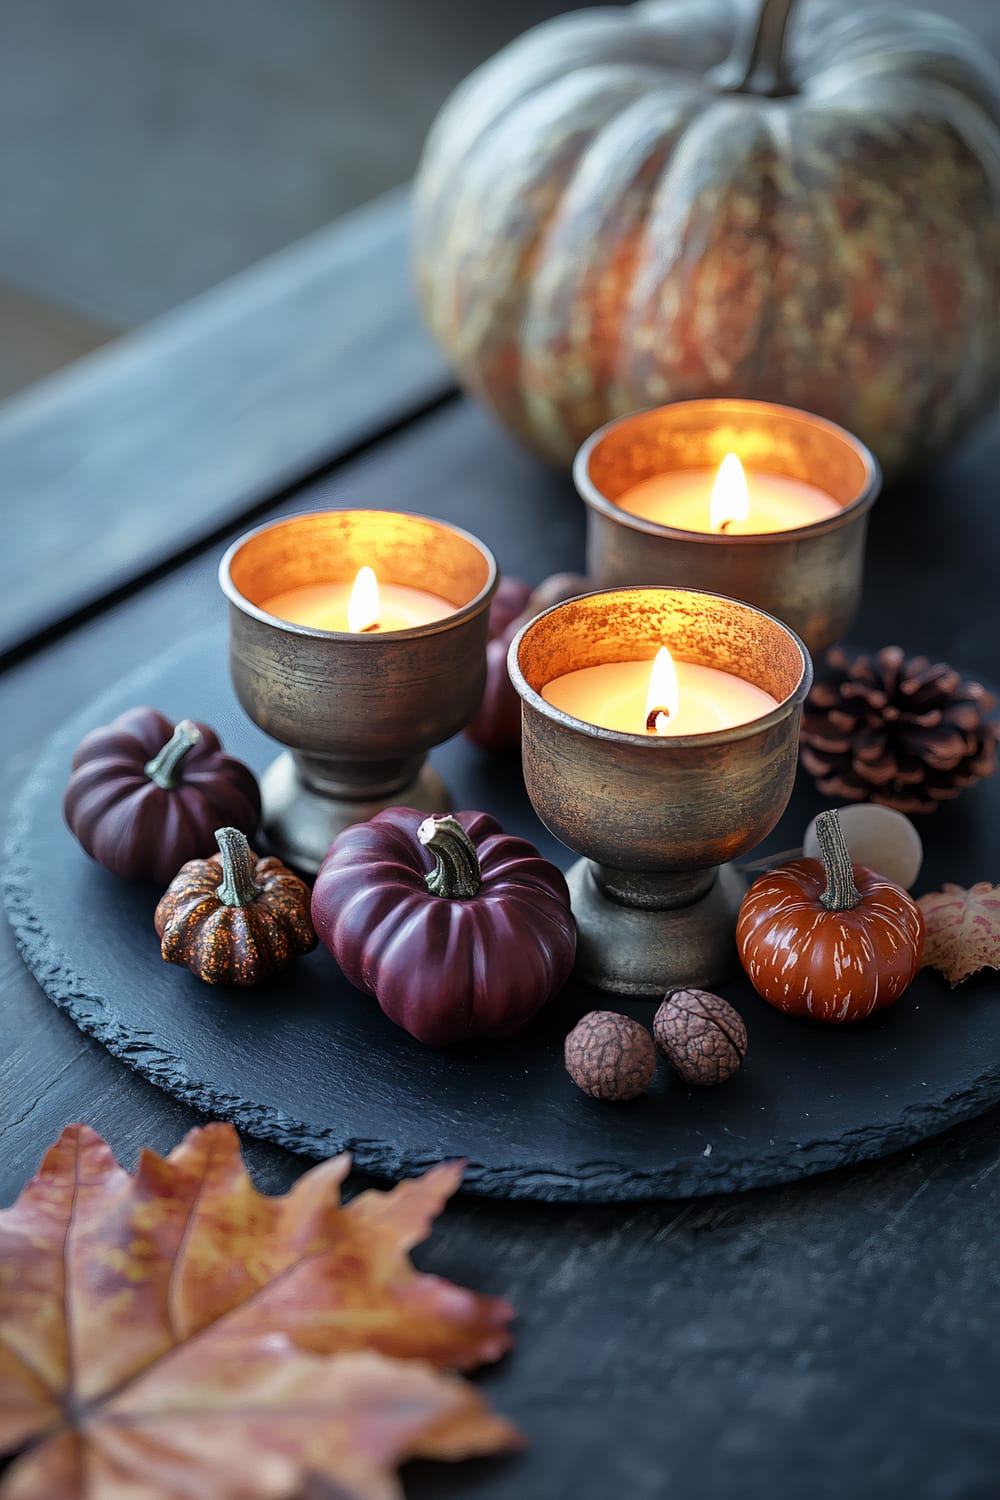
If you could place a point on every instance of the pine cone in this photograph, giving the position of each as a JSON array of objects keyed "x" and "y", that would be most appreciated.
[{"x": 898, "y": 730}]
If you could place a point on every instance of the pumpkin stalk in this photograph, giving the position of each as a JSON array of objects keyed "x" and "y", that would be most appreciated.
[
  {"x": 165, "y": 767},
  {"x": 841, "y": 893},
  {"x": 237, "y": 886},
  {"x": 456, "y": 874},
  {"x": 758, "y": 66}
]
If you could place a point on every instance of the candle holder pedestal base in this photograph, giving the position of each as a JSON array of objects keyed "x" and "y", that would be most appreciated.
[
  {"x": 642, "y": 935},
  {"x": 305, "y": 807}
]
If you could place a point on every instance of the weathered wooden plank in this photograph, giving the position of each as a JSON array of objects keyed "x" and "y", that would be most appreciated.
[{"x": 142, "y": 450}]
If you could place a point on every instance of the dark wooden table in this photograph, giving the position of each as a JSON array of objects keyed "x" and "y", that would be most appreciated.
[{"x": 836, "y": 1338}]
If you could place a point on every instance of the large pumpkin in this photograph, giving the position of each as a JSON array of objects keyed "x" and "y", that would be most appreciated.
[{"x": 689, "y": 198}]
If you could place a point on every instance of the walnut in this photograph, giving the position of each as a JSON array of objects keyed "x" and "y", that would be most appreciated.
[
  {"x": 701, "y": 1036},
  {"x": 610, "y": 1056}
]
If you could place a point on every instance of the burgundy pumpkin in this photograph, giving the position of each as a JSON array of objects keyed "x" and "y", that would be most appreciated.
[
  {"x": 497, "y": 724},
  {"x": 510, "y": 599},
  {"x": 145, "y": 796},
  {"x": 458, "y": 929}
]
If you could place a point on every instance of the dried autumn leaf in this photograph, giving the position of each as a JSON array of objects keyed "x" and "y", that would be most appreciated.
[
  {"x": 962, "y": 930},
  {"x": 175, "y": 1334}
]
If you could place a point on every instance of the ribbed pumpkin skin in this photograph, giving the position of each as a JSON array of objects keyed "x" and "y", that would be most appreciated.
[
  {"x": 445, "y": 970},
  {"x": 240, "y": 945},
  {"x": 828, "y": 965},
  {"x": 137, "y": 829},
  {"x": 598, "y": 228}
]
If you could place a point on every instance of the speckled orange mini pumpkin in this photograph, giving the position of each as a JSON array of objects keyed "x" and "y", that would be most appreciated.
[
  {"x": 234, "y": 918},
  {"x": 827, "y": 939},
  {"x": 681, "y": 198}
]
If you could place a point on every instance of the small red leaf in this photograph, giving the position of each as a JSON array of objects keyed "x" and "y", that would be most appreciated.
[{"x": 962, "y": 930}]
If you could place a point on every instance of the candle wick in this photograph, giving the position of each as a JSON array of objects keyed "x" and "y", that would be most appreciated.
[
  {"x": 654, "y": 716},
  {"x": 367, "y": 629},
  {"x": 725, "y": 525}
]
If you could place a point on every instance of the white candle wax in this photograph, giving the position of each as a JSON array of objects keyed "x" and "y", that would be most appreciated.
[
  {"x": 614, "y": 696},
  {"x": 682, "y": 497},
  {"x": 323, "y": 606}
]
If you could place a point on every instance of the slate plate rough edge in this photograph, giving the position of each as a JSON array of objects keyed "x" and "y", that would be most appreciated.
[{"x": 590, "y": 1181}]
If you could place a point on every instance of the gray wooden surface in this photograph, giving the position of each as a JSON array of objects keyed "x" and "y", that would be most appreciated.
[
  {"x": 151, "y": 148},
  {"x": 124, "y": 460}
]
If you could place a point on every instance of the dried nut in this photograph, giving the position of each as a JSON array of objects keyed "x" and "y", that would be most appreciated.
[
  {"x": 610, "y": 1056},
  {"x": 701, "y": 1036},
  {"x": 878, "y": 837}
]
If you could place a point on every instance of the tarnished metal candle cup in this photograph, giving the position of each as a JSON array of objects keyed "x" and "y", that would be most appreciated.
[
  {"x": 809, "y": 576},
  {"x": 658, "y": 818},
  {"x": 358, "y": 711}
]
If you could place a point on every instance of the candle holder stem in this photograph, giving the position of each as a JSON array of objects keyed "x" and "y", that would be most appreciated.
[
  {"x": 644, "y": 934},
  {"x": 309, "y": 799}
]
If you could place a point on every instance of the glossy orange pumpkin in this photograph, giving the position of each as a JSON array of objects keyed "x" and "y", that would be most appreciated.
[
  {"x": 643, "y": 204},
  {"x": 828, "y": 939}
]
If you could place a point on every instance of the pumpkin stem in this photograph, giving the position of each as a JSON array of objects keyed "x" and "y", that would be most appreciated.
[
  {"x": 757, "y": 65},
  {"x": 841, "y": 893},
  {"x": 456, "y": 874},
  {"x": 237, "y": 886},
  {"x": 165, "y": 766}
]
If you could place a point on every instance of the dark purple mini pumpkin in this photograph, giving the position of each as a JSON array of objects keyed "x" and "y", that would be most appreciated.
[
  {"x": 497, "y": 724},
  {"x": 458, "y": 929},
  {"x": 146, "y": 796},
  {"x": 510, "y": 600}
]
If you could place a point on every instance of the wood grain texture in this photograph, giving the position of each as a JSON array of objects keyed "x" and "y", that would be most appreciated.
[{"x": 136, "y": 453}]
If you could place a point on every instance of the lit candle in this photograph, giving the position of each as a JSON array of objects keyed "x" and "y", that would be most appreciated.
[
  {"x": 730, "y": 499},
  {"x": 671, "y": 698},
  {"x": 362, "y": 607}
]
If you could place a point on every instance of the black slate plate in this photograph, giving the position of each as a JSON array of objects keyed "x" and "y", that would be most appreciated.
[{"x": 308, "y": 1062}]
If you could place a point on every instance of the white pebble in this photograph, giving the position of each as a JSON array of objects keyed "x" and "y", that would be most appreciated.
[{"x": 879, "y": 837}]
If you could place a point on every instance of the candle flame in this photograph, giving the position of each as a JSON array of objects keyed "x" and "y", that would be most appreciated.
[
  {"x": 730, "y": 500},
  {"x": 663, "y": 696},
  {"x": 364, "y": 605}
]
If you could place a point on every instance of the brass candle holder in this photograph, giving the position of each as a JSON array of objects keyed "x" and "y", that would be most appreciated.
[
  {"x": 656, "y": 818},
  {"x": 358, "y": 711},
  {"x": 809, "y": 577}
]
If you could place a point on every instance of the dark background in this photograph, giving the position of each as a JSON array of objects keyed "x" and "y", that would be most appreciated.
[{"x": 151, "y": 148}]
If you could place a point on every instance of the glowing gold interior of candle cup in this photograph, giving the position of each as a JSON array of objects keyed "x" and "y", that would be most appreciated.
[
  {"x": 331, "y": 546},
  {"x": 647, "y": 802},
  {"x": 809, "y": 576},
  {"x": 699, "y": 434}
]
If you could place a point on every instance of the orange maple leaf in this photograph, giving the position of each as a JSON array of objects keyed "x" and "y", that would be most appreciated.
[
  {"x": 176, "y": 1334},
  {"x": 962, "y": 930}
]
